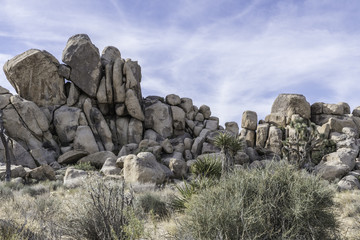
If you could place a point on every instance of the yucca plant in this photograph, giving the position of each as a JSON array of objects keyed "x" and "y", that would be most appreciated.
[
  {"x": 207, "y": 167},
  {"x": 229, "y": 145}
]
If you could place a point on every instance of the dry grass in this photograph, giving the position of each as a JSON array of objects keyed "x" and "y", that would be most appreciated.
[{"x": 347, "y": 208}]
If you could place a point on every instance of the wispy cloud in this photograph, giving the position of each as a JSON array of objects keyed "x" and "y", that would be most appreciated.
[{"x": 230, "y": 55}]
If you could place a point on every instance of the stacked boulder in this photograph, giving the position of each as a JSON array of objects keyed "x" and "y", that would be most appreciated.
[{"x": 90, "y": 109}]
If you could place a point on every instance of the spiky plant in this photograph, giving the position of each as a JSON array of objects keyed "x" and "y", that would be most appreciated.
[
  {"x": 299, "y": 148},
  {"x": 229, "y": 145}
]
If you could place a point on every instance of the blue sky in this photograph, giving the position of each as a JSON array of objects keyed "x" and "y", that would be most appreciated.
[{"x": 233, "y": 55}]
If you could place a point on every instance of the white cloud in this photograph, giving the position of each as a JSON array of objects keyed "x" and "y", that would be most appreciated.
[{"x": 231, "y": 62}]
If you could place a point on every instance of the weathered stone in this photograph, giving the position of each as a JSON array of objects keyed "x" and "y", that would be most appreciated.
[
  {"x": 122, "y": 125},
  {"x": 199, "y": 117},
  {"x": 43, "y": 156},
  {"x": 16, "y": 129},
  {"x": 133, "y": 105},
  {"x": 250, "y": 138},
  {"x": 197, "y": 129},
  {"x": 16, "y": 171},
  {"x": 101, "y": 92},
  {"x": 135, "y": 131},
  {"x": 197, "y": 146},
  {"x": 97, "y": 159},
  {"x": 262, "y": 134},
  {"x": 131, "y": 82},
  {"x": 178, "y": 167},
  {"x": 324, "y": 129},
  {"x": 4, "y": 100},
  {"x": 178, "y": 116},
  {"x": 19, "y": 156},
  {"x": 232, "y": 127},
  {"x": 109, "y": 55},
  {"x": 186, "y": 104},
  {"x": 204, "y": 133},
  {"x": 188, "y": 142},
  {"x": 336, "y": 125},
  {"x": 158, "y": 118},
  {"x": 209, "y": 148},
  {"x": 288, "y": 104},
  {"x": 173, "y": 99},
  {"x": 333, "y": 109},
  {"x": 152, "y": 135},
  {"x": 188, "y": 155},
  {"x": 249, "y": 120},
  {"x": 84, "y": 140},
  {"x": 317, "y": 108},
  {"x": 74, "y": 177},
  {"x": 337, "y": 164},
  {"x": 128, "y": 149},
  {"x": 276, "y": 119},
  {"x": 64, "y": 71},
  {"x": 66, "y": 121},
  {"x": 205, "y": 110},
  {"x": 190, "y": 124},
  {"x": 34, "y": 119},
  {"x": 274, "y": 142},
  {"x": 42, "y": 173},
  {"x": 84, "y": 59},
  {"x": 118, "y": 84},
  {"x": 71, "y": 156},
  {"x": 34, "y": 75},
  {"x": 346, "y": 107},
  {"x": 110, "y": 168},
  {"x": 167, "y": 147},
  {"x": 74, "y": 95},
  {"x": 143, "y": 168},
  {"x": 356, "y": 112},
  {"x": 348, "y": 183},
  {"x": 102, "y": 128},
  {"x": 212, "y": 125},
  {"x": 109, "y": 82}
]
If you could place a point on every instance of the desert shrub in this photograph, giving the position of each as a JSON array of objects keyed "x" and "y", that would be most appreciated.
[
  {"x": 278, "y": 202},
  {"x": 103, "y": 212},
  {"x": 347, "y": 208},
  {"x": 86, "y": 166},
  {"x": 152, "y": 203},
  {"x": 188, "y": 190},
  {"x": 10, "y": 230},
  {"x": 35, "y": 190},
  {"x": 207, "y": 167}
]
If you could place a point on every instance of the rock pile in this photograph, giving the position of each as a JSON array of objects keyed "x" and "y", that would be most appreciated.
[{"x": 90, "y": 108}]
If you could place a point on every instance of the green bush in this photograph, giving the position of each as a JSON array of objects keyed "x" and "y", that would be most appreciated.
[
  {"x": 152, "y": 203},
  {"x": 207, "y": 167},
  {"x": 35, "y": 190},
  {"x": 277, "y": 202},
  {"x": 86, "y": 166}
]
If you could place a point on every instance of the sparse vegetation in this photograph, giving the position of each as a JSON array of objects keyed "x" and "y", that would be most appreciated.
[
  {"x": 207, "y": 167},
  {"x": 306, "y": 146},
  {"x": 229, "y": 145},
  {"x": 275, "y": 203},
  {"x": 86, "y": 166}
]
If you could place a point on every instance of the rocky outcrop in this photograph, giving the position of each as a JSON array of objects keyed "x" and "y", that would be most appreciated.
[
  {"x": 99, "y": 116},
  {"x": 34, "y": 75}
]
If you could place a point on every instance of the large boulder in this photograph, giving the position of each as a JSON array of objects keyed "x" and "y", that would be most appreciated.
[
  {"x": 133, "y": 105},
  {"x": 337, "y": 164},
  {"x": 42, "y": 173},
  {"x": 110, "y": 167},
  {"x": 84, "y": 59},
  {"x": 98, "y": 159},
  {"x": 16, "y": 171},
  {"x": 85, "y": 140},
  {"x": 274, "y": 141},
  {"x": 249, "y": 120},
  {"x": 348, "y": 182},
  {"x": 71, "y": 157},
  {"x": 109, "y": 55},
  {"x": 34, "y": 75},
  {"x": 34, "y": 119},
  {"x": 158, "y": 117},
  {"x": 289, "y": 104},
  {"x": 143, "y": 168},
  {"x": 74, "y": 177},
  {"x": 66, "y": 121}
]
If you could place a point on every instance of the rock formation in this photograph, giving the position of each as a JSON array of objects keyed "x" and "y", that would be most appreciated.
[{"x": 91, "y": 109}]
